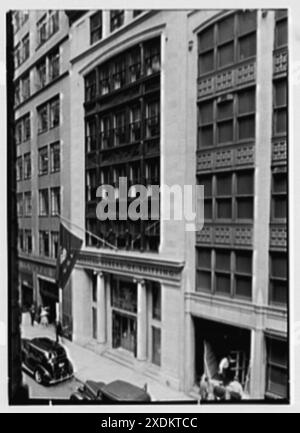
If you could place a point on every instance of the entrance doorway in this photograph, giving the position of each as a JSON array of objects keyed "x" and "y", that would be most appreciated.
[
  {"x": 124, "y": 331},
  {"x": 27, "y": 297},
  {"x": 214, "y": 341},
  {"x": 49, "y": 297}
]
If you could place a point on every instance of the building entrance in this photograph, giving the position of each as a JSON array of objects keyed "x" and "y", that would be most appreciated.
[
  {"x": 214, "y": 341},
  {"x": 124, "y": 331},
  {"x": 124, "y": 309},
  {"x": 49, "y": 298}
]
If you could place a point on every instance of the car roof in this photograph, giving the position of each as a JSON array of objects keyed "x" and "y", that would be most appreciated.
[
  {"x": 121, "y": 390},
  {"x": 45, "y": 343}
]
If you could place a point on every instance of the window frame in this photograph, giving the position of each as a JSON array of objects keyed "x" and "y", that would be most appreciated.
[
  {"x": 44, "y": 208},
  {"x": 97, "y": 29},
  {"x": 217, "y": 45}
]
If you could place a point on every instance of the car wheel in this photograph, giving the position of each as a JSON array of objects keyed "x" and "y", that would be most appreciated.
[{"x": 38, "y": 377}]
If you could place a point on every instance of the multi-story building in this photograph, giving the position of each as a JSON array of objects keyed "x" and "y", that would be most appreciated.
[
  {"x": 163, "y": 98},
  {"x": 158, "y": 292},
  {"x": 42, "y": 140}
]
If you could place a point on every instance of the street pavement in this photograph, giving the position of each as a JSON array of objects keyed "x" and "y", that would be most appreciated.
[
  {"x": 90, "y": 365},
  {"x": 61, "y": 391}
]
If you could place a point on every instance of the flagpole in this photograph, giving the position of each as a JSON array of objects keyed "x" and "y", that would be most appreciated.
[{"x": 90, "y": 233}]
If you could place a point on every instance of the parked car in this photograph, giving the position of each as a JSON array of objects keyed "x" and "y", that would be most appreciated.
[
  {"x": 46, "y": 360},
  {"x": 117, "y": 391}
]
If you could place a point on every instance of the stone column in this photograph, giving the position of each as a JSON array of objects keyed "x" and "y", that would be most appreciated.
[
  {"x": 141, "y": 321},
  {"x": 101, "y": 309},
  {"x": 257, "y": 365}
]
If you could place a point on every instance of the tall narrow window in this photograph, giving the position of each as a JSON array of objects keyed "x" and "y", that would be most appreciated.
[
  {"x": 225, "y": 121},
  {"x": 281, "y": 28},
  {"x": 135, "y": 123},
  {"x": 19, "y": 168},
  {"x": 279, "y": 195},
  {"x": 55, "y": 201},
  {"x": 54, "y": 244},
  {"x": 90, "y": 87},
  {"x": 55, "y": 157},
  {"x": 116, "y": 19},
  {"x": 153, "y": 120},
  {"x": 222, "y": 271},
  {"x": 42, "y": 119},
  {"x": 43, "y": 160},
  {"x": 244, "y": 195},
  {"x": 44, "y": 246},
  {"x": 224, "y": 196},
  {"x": 27, "y": 166},
  {"x": 27, "y": 204},
  {"x": 43, "y": 202},
  {"x": 96, "y": 27},
  {"x": 278, "y": 278},
  {"x": 206, "y": 51},
  {"x": 54, "y": 65},
  {"x": 204, "y": 270},
  {"x": 277, "y": 368},
  {"x": 54, "y": 113},
  {"x": 246, "y": 114},
  {"x": 243, "y": 274},
  {"x": 280, "y": 107},
  {"x": 206, "y": 126}
]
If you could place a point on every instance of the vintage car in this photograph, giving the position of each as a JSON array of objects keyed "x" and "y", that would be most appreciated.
[
  {"x": 118, "y": 391},
  {"x": 46, "y": 360}
]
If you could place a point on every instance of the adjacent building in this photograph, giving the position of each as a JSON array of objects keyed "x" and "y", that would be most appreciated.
[{"x": 161, "y": 98}]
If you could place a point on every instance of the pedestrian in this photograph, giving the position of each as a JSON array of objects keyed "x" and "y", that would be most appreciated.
[
  {"x": 44, "y": 317},
  {"x": 32, "y": 312},
  {"x": 58, "y": 331}
]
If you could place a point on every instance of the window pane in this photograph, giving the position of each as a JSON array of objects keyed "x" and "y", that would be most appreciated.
[
  {"x": 207, "y": 183},
  {"x": 279, "y": 266},
  {"x": 207, "y": 209},
  {"x": 245, "y": 183},
  {"x": 225, "y": 29},
  {"x": 246, "y": 22},
  {"x": 281, "y": 36},
  {"x": 280, "y": 121},
  {"x": 222, "y": 283},
  {"x": 247, "y": 46},
  {"x": 224, "y": 208},
  {"x": 206, "y": 62},
  {"x": 280, "y": 182},
  {"x": 245, "y": 208},
  {"x": 206, "y": 39},
  {"x": 203, "y": 281},
  {"x": 223, "y": 260},
  {"x": 280, "y": 93},
  {"x": 280, "y": 207},
  {"x": 278, "y": 380},
  {"x": 278, "y": 352},
  {"x": 156, "y": 345},
  {"x": 224, "y": 185},
  {"x": 246, "y": 101},
  {"x": 156, "y": 302},
  {"x": 243, "y": 287},
  {"x": 206, "y": 136},
  {"x": 225, "y": 110},
  {"x": 278, "y": 292},
  {"x": 206, "y": 112},
  {"x": 225, "y": 132},
  {"x": 204, "y": 258},
  {"x": 246, "y": 127},
  {"x": 244, "y": 262},
  {"x": 225, "y": 54}
]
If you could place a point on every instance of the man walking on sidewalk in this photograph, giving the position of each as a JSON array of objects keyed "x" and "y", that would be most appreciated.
[{"x": 32, "y": 314}]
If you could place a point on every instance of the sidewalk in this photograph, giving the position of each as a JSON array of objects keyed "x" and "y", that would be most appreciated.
[{"x": 89, "y": 365}]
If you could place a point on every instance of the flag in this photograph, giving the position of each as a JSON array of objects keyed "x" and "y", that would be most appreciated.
[{"x": 69, "y": 248}]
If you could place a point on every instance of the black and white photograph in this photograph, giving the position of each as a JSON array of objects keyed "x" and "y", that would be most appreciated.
[{"x": 148, "y": 216}]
